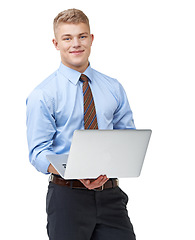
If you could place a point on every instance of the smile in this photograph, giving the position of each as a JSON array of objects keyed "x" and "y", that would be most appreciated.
[{"x": 77, "y": 52}]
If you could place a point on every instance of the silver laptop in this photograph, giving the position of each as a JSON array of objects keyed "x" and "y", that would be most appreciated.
[{"x": 116, "y": 153}]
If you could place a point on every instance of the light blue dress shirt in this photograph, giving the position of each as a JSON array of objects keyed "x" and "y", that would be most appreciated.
[{"x": 55, "y": 111}]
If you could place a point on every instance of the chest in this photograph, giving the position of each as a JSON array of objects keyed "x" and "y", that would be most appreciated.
[{"x": 69, "y": 105}]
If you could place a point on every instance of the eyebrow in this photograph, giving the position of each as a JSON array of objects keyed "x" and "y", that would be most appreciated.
[
  {"x": 68, "y": 35},
  {"x": 84, "y": 33}
]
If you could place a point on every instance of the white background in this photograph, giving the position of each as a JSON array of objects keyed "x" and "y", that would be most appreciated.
[{"x": 149, "y": 47}]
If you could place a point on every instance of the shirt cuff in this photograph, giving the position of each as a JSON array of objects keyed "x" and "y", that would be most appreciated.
[{"x": 41, "y": 163}]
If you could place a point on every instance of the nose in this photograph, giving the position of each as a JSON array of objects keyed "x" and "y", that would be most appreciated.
[{"x": 76, "y": 42}]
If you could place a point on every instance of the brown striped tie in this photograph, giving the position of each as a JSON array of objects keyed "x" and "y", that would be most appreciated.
[{"x": 90, "y": 118}]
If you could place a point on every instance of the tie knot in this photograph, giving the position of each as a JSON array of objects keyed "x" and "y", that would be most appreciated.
[{"x": 83, "y": 78}]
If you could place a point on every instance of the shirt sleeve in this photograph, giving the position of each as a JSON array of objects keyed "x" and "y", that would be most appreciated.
[
  {"x": 123, "y": 116},
  {"x": 41, "y": 129}
]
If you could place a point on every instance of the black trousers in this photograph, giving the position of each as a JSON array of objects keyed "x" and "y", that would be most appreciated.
[{"x": 81, "y": 214}]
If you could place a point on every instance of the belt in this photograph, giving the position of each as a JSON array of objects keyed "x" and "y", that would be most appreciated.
[{"x": 111, "y": 183}]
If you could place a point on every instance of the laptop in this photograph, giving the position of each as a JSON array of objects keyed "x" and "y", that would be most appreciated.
[{"x": 115, "y": 153}]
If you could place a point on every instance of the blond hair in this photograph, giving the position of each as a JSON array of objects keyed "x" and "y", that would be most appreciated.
[{"x": 70, "y": 16}]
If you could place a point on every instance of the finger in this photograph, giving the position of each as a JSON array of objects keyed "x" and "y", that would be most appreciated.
[
  {"x": 101, "y": 180},
  {"x": 85, "y": 182},
  {"x": 91, "y": 184},
  {"x": 98, "y": 182},
  {"x": 105, "y": 180}
]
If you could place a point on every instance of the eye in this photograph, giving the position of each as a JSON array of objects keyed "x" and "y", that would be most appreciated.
[
  {"x": 67, "y": 39},
  {"x": 82, "y": 37}
]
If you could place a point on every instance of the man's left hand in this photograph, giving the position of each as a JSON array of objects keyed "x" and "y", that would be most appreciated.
[{"x": 91, "y": 183}]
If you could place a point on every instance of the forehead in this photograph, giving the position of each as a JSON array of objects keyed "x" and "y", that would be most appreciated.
[{"x": 71, "y": 29}]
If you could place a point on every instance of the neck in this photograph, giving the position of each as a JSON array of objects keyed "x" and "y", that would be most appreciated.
[{"x": 80, "y": 69}]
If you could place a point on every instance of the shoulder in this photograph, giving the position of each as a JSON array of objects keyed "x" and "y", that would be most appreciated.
[
  {"x": 103, "y": 76},
  {"x": 47, "y": 87},
  {"x": 113, "y": 82},
  {"x": 106, "y": 81},
  {"x": 47, "y": 83},
  {"x": 44, "y": 92}
]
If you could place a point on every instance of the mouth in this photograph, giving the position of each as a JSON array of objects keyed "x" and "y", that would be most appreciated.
[{"x": 77, "y": 52}]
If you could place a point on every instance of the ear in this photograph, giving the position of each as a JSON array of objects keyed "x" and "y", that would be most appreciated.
[
  {"x": 92, "y": 38},
  {"x": 55, "y": 43}
]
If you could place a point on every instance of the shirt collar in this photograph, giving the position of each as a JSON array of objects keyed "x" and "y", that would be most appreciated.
[
  {"x": 74, "y": 75},
  {"x": 89, "y": 73}
]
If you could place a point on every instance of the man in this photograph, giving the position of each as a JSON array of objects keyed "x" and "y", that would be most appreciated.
[{"x": 77, "y": 209}]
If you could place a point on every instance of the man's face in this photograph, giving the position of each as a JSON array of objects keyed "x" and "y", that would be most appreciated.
[{"x": 74, "y": 42}]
